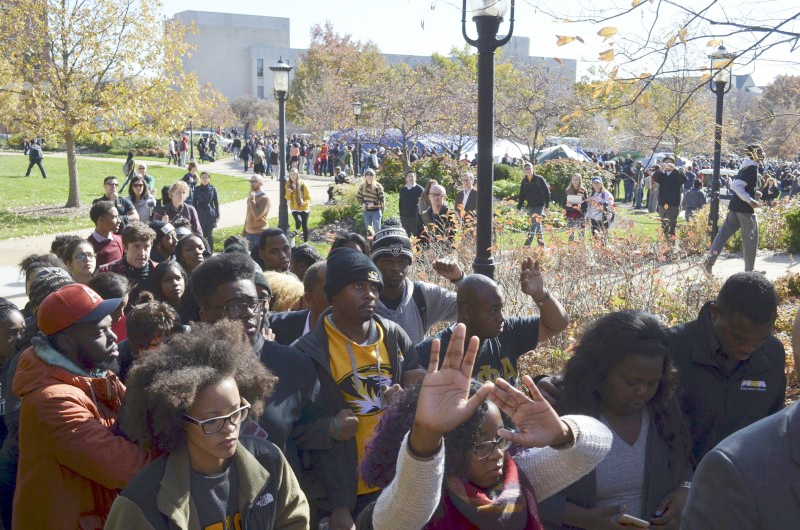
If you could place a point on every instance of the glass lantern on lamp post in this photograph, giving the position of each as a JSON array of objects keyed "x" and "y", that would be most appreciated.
[
  {"x": 720, "y": 84},
  {"x": 280, "y": 81}
]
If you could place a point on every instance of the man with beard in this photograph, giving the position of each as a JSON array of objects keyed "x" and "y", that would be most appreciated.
[
  {"x": 71, "y": 462},
  {"x": 135, "y": 264},
  {"x": 360, "y": 360},
  {"x": 503, "y": 340},
  {"x": 414, "y": 306},
  {"x": 224, "y": 288}
]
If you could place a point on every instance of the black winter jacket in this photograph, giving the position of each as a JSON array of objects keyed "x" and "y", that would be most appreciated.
[{"x": 535, "y": 191}]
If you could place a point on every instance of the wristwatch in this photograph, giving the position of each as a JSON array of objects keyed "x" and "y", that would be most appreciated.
[{"x": 544, "y": 299}]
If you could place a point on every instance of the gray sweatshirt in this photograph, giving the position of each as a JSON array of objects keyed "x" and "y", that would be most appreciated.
[{"x": 440, "y": 305}]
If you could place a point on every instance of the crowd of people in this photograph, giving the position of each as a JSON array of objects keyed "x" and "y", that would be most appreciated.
[{"x": 149, "y": 383}]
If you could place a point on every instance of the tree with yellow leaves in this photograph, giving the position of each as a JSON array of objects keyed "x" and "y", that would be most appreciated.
[{"x": 94, "y": 68}]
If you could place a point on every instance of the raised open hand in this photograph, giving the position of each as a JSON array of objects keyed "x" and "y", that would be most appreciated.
[
  {"x": 530, "y": 279},
  {"x": 537, "y": 422},
  {"x": 444, "y": 402}
]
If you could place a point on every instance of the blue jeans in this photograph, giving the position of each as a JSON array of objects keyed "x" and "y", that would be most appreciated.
[
  {"x": 372, "y": 218},
  {"x": 536, "y": 226},
  {"x": 628, "y": 185}
]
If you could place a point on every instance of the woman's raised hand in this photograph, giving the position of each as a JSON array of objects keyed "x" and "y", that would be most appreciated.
[
  {"x": 537, "y": 423},
  {"x": 444, "y": 401}
]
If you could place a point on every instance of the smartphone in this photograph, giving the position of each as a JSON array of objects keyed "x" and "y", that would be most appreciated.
[{"x": 629, "y": 520}]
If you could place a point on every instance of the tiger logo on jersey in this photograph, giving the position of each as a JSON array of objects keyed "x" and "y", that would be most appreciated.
[{"x": 363, "y": 393}]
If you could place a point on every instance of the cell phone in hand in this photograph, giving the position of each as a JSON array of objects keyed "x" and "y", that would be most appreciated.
[{"x": 629, "y": 520}]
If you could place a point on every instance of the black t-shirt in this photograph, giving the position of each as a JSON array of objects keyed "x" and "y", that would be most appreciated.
[
  {"x": 750, "y": 177},
  {"x": 216, "y": 498},
  {"x": 671, "y": 187},
  {"x": 497, "y": 356}
]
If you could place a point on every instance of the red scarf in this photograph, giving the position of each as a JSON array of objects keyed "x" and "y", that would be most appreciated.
[{"x": 467, "y": 507}]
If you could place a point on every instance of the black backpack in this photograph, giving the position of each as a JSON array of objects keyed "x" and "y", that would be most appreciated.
[{"x": 419, "y": 300}]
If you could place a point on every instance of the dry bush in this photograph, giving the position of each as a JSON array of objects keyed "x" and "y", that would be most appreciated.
[{"x": 589, "y": 278}]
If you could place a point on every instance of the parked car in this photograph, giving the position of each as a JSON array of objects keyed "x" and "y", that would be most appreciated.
[{"x": 221, "y": 140}]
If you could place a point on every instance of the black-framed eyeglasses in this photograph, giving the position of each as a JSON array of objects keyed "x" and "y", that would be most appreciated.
[
  {"x": 237, "y": 309},
  {"x": 214, "y": 425},
  {"x": 485, "y": 449}
]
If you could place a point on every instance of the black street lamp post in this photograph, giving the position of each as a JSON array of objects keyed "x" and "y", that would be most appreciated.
[
  {"x": 357, "y": 154},
  {"x": 487, "y": 15},
  {"x": 280, "y": 77},
  {"x": 191, "y": 140},
  {"x": 720, "y": 84}
]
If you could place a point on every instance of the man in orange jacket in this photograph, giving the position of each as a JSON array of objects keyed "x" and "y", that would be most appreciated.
[{"x": 71, "y": 463}]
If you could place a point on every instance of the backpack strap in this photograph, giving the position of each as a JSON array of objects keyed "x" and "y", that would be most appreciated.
[{"x": 419, "y": 300}]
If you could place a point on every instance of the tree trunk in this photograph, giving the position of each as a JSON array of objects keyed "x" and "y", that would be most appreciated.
[{"x": 74, "y": 199}]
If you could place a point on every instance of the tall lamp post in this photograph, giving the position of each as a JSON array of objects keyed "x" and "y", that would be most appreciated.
[
  {"x": 720, "y": 84},
  {"x": 357, "y": 154},
  {"x": 191, "y": 140},
  {"x": 280, "y": 78},
  {"x": 487, "y": 15}
]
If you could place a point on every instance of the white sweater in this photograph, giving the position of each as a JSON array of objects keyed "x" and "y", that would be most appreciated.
[{"x": 411, "y": 499}]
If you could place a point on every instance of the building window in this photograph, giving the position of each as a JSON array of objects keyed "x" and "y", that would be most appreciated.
[
  {"x": 260, "y": 67},
  {"x": 261, "y": 92}
]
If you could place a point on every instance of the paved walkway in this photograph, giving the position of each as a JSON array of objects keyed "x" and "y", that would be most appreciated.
[{"x": 12, "y": 251}]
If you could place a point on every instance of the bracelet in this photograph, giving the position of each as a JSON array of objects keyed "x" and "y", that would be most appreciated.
[
  {"x": 685, "y": 484},
  {"x": 544, "y": 299}
]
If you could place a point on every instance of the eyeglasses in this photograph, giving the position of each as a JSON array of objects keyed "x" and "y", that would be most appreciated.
[
  {"x": 138, "y": 185},
  {"x": 85, "y": 256},
  {"x": 214, "y": 425},
  {"x": 113, "y": 184},
  {"x": 237, "y": 309},
  {"x": 142, "y": 167},
  {"x": 436, "y": 194},
  {"x": 485, "y": 449}
]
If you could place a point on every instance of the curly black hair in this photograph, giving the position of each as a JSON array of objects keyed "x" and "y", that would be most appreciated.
[
  {"x": 217, "y": 270},
  {"x": 604, "y": 345},
  {"x": 61, "y": 244},
  {"x": 380, "y": 459},
  {"x": 164, "y": 384}
]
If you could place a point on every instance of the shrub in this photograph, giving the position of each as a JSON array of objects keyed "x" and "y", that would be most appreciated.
[
  {"x": 506, "y": 189},
  {"x": 589, "y": 279},
  {"x": 443, "y": 169},
  {"x": 392, "y": 172},
  {"x": 792, "y": 234},
  {"x": 787, "y": 287},
  {"x": 558, "y": 173},
  {"x": 506, "y": 172},
  {"x": 773, "y": 229}
]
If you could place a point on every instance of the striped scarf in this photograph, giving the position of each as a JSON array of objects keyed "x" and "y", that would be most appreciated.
[{"x": 509, "y": 505}]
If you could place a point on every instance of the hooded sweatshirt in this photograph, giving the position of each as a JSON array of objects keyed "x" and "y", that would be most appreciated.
[{"x": 71, "y": 464}]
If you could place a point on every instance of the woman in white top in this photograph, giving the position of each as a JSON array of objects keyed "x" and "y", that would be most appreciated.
[
  {"x": 601, "y": 207},
  {"x": 453, "y": 469}
]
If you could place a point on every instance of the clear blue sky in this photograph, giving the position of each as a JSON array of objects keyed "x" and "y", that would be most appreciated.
[{"x": 396, "y": 26}]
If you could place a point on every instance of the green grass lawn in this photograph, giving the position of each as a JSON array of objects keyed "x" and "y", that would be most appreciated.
[{"x": 36, "y": 193}]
